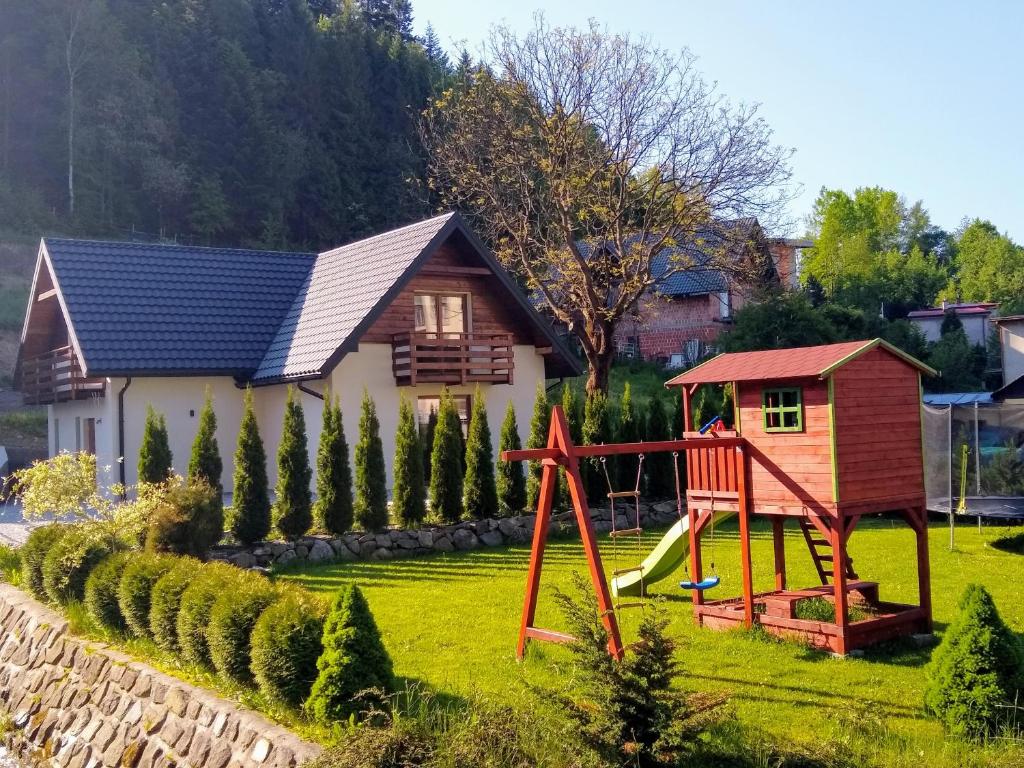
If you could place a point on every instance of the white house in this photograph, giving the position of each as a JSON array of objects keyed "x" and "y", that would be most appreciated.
[
  {"x": 1011, "y": 346},
  {"x": 113, "y": 327},
  {"x": 976, "y": 319}
]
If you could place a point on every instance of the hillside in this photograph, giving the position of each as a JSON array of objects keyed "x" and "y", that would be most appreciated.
[{"x": 17, "y": 258}]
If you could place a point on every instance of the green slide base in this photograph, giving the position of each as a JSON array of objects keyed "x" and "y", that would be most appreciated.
[{"x": 666, "y": 557}]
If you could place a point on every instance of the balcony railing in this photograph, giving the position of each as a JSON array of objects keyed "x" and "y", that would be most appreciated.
[
  {"x": 55, "y": 377},
  {"x": 452, "y": 358}
]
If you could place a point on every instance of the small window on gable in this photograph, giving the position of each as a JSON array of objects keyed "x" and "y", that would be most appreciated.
[{"x": 783, "y": 410}]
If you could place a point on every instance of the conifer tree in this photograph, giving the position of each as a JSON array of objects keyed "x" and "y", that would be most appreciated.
[
  {"x": 511, "y": 480},
  {"x": 333, "y": 472},
  {"x": 446, "y": 464},
  {"x": 250, "y": 519},
  {"x": 427, "y": 442},
  {"x": 595, "y": 431},
  {"x": 205, "y": 463},
  {"x": 677, "y": 425},
  {"x": 155, "y": 451},
  {"x": 408, "y": 494},
  {"x": 538, "y": 438},
  {"x": 371, "y": 503},
  {"x": 659, "y": 472},
  {"x": 481, "y": 493},
  {"x": 628, "y": 431},
  {"x": 293, "y": 507},
  {"x": 573, "y": 410}
]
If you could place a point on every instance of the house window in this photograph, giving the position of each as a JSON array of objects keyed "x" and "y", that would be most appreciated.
[
  {"x": 783, "y": 410},
  {"x": 443, "y": 315},
  {"x": 424, "y": 405}
]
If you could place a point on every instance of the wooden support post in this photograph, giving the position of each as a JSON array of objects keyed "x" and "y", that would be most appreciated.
[
  {"x": 924, "y": 579},
  {"x": 779, "y": 541},
  {"x": 696, "y": 565},
  {"x": 683, "y": 393},
  {"x": 839, "y": 583},
  {"x": 548, "y": 481},
  {"x": 744, "y": 514}
]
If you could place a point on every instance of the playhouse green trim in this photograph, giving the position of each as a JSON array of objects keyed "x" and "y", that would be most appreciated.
[
  {"x": 782, "y": 410},
  {"x": 832, "y": 449},
  {"x": 736, "y": 410}
]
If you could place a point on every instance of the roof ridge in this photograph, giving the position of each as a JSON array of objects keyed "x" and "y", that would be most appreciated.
[
  {"x": 173, "y": 246},
  {"x": 387, "y": 233}
]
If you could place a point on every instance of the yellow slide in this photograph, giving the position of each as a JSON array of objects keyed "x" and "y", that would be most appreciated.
[{"x": 666, "y": 557}]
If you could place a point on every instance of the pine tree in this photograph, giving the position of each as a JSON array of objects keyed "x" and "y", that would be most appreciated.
[
  {"x": 155, "y": 451},
  {"x": 977, "y": 674},
  {"x": 446, "y": 464},
  {"x": 250, "y": 519},
  {"x": 660, "y": 472},
  {"x": 628, "y": 431},
  {"x": 539, "y": 424},
  {"x": 595, "y": 431},
  {"x": 293, "y": 507},
  {"x": 371, "y": 504},
  {"x": 427, "y": 442},
  {"x": 480, "y": 493},
  {"x": 511, "y": 480},
  {"x": 205, "y": 463},
  {"x": 333, "y": 472},
  {"x": 408, "y": 493}
]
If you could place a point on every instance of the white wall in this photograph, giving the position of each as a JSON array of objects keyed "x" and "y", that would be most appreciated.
[
  {"x": 63, "y": 417},
  {"x": 976, "y": 328},
  {"x": 1011, "y": 338}
]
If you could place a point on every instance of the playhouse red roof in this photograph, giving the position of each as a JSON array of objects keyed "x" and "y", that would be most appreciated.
[{"x": 798, "y": 363}]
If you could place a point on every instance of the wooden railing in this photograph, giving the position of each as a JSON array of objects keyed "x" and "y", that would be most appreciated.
[
  {"x": 431, "y": 358},
  {"x": 715, "y": 469},
  {"x": 54, "y": 377}
]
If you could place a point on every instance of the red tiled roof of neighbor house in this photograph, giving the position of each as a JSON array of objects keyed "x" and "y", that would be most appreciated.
[
  {"x": 777, "y": 364},
  {"x": 977, "y": 308}
]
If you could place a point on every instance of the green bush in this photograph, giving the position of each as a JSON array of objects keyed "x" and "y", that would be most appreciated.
[
  {"x": 165, "y": 602},
  {"x": 101, "y": 591},
  {"x": 70, "y": 561},
  {"x": 293, "y": 508},
  {"x": 194, "y": 610},
  {"x": 205, "y": 464},
  {"x": 511, "y": 481},
  {"x": 286, "y": 643},
  {"x": 353, "y": 661},
  {"x": 155, "y": 459},
  {"x": 134, "y": 594},
  {"x": 188, "y": 520},
  {"x": 408, "y": 497},
  {"x": 10, "y": 564},
  {"x": 446, "y": 473},
  {"x": 33, "y": 552},
  {"x": 539, "y": 425},
  {"x": 371, "y": 502},
  {"x": 596, "y": 430},
  {"x": 250, "y": 501},
  {"x": 659, "y": 467},
  {"x": 977, "y": 671},
  {"x": 480, "y": 494},
  {"x": 627, "y": 431},
  {"x": 333, "y": 473},
  {"x": 232, "y": 618}
]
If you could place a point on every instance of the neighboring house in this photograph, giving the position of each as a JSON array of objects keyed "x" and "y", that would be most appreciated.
[
  {"x": 975, "y": 318},
  {"x": 114, "y": 327},
  {"x": 1011, "y": 346},
  {"x": 679, "y": 322}
]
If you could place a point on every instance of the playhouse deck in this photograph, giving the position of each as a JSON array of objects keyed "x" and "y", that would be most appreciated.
[{"x": 776, "y": 612}]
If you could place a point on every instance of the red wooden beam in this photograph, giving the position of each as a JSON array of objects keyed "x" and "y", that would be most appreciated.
[
  {"x": 744, "y": 504},
  {"x": 616, "y": 449}
]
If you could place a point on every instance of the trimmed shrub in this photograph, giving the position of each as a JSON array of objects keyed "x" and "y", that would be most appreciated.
[
  {"x": 511, "y": 481},
  {"x": 427, "y": 443},
  {"x": 134, "y": 594},
  {"x": 188, "y": 520},
  {"x": 155, "y": 459},
  {"x": 480, "y": 495},
  {"x": 627, "y": 431},
  {"x": 977, "y": 672},
  {"x": 539, "y": 424},
  {"x": 408, "y": 497},
  {"x": 70, "y": 561},
  {"x": 660, "y": 474},
  {"x": 595, "y": 431},
  {"x": 33, "y": 552},
  {"x": 286, "y": 643},
  {"x": 250, "y": 503},
  {"x": 101, "y": 591},
  {"x": 354, "y": 660},
  {"x": 232, "y": 618},
  {"x": 293, "y": 509},
  {"x": 205, "y": 464},
  {"x": 371, "y": 503},
  {"x": 194, "y": 610},
  {"x": 165, "y": 602},
  {"x": 446, "y": 473},
  {"x": 333, "y": 473}
]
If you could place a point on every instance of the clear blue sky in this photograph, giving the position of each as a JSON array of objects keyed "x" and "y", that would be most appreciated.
[{"x": 925, "y": 98}]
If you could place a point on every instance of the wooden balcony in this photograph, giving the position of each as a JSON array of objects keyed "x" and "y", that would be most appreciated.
[
  {"x": 56, "y": 377},
  {"x": 464, "y": 358}
]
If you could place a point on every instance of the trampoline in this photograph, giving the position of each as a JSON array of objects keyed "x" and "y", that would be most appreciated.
[{"x": 987, "y": 507}]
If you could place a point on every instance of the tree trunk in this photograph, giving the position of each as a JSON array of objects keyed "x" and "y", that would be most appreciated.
[{"x": 599, "y": 367}]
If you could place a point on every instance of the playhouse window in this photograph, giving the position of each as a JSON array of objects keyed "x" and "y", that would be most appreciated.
[{"x": 783, "y": 410}]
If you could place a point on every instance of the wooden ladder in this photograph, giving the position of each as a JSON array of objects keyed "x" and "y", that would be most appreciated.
[{"x": 822, "y": 554}]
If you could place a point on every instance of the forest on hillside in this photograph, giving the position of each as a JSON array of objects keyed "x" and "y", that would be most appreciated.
[{"x": 271, "y": 123}]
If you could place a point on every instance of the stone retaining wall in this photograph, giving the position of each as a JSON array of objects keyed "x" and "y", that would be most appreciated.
[
  {"x": 424, "y": 541},
  {"x": 77, "y": 704}
]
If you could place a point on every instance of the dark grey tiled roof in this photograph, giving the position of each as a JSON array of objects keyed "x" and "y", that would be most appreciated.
[
  {"x": 342, "y": 289},
  {"x": 138, "y": 307}
]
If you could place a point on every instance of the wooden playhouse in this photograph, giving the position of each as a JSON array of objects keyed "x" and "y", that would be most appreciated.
[{"x": 828, "y": 434}]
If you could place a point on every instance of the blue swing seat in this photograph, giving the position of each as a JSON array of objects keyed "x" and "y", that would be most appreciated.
[{"x": 700, "y": 586}]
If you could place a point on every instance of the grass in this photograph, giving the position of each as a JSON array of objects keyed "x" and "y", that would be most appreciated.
[
  {"x": 13, "y": 296},
  {"x": 450, "y": 623},
  {"x": 27, "y": 422}
]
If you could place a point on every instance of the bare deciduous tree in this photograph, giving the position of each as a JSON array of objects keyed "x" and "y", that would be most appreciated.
[{"x": 582, "y": 155}]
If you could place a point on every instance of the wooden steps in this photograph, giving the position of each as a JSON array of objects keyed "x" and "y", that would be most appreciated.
[{"x": 822, "y": 554}]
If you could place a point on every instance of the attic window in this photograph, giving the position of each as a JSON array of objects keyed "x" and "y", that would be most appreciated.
[{"x": 783, "y": 410}]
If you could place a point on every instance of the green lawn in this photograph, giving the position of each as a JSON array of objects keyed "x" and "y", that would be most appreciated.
[{"x": 450, "y": 622}]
